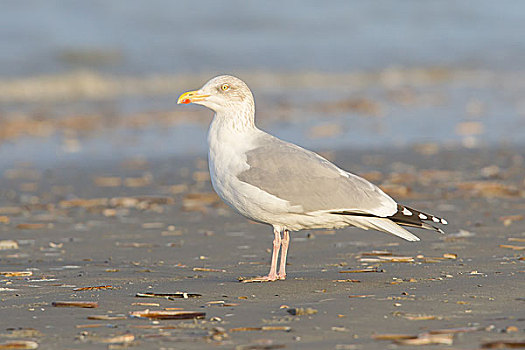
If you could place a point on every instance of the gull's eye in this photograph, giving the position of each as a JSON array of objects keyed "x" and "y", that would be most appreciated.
[{"x": 225, "y": 87}]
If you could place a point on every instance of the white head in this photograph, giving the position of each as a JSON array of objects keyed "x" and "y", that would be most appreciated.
[{"x": 224, "y": 94}]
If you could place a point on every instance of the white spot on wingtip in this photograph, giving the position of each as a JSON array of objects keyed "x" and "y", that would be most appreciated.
[
  {"x": 444, "y": 222},
  {"x": 406, "y": 212},
  {"x": 423, "y": 216},
  {"x": 435, "y": 219}
]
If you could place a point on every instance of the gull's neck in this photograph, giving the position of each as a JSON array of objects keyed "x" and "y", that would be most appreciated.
[
  {"x": 232, "y": 130},
  {"x": 238, "y": 120}
]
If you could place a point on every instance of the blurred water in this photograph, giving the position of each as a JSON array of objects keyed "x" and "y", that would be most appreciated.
[
  {"x": 125, "y": 38},
  {"x": 163, "y": 36}
]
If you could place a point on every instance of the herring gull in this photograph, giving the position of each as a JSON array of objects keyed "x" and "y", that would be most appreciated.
[{"x": 275, "y": 182}]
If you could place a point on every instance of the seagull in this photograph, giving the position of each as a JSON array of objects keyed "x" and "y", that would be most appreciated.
[{"x": 275, "y": 182}]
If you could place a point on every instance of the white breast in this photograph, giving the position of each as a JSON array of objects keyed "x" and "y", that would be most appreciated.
[{"x": 227, "y": 158}]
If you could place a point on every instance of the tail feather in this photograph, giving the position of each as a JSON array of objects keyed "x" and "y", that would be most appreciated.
[
  {"x": 384, "y": 225},
  {"x": 404, "y": 216}
]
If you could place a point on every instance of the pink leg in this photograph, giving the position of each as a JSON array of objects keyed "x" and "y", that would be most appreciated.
[
  {"x": 284, "y": 251},
  {"x": 272, "y": 276}
]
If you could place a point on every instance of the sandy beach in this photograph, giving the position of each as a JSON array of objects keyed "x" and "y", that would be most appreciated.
[
  {"x": 111, "y": 236},
  {"x": 107, "y": 232}
]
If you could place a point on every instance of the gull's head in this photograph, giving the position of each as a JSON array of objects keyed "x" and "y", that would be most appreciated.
[{"x": 221, "y": 94}]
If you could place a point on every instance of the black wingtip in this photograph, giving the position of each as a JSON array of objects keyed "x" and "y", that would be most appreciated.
[{"x": 411, "y": 217}]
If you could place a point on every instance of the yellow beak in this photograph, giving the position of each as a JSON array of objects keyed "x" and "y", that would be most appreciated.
[{"x": 190, "y": 97}]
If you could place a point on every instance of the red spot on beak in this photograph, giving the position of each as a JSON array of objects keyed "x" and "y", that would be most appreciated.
[{"x": 185, "y": 101}]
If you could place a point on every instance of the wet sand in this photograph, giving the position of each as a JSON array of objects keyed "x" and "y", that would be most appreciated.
[{"x": 154, "y": 226}]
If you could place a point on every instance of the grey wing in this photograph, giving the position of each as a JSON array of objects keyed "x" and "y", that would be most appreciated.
[{"x": 304, "y": 178}]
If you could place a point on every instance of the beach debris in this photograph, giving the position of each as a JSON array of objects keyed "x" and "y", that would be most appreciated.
[
  {"x": 10, "y": 211},
  {"x": 207, "y": 269},
  {"x": 146, "y": 304},
  {"x": 142, "y": 181},
  {"x": 178, "y": 189},
  {"x": 509, "y": 219},
  {"x": 218, "y": 334},
  {"x": 119, "y": 339},
  {"x": 419, "y": 339},
  {"x": 361, "y": 270},
  {"x": 31, "y": 226},
  {"x": 65, "y": 267},
  {"x": 81, "y": 304},
  {"x": 436, "y": 259},
  {"x": 382, "y": 256},
  {"x": 23, "y": 174},
  {"x": 106, "y": 317},
  {"x": 515, "y": 239},
  {"x": 347, "y": 280},
  {"x": 201, "y": 176},
  {"x": 513, "y": 247},
  {"x": 22, "y": 333},
  {"x": 339, "y": 329},
  {"x": 153, "y": 225},
  {"x": 427, "y": 339},
  {"x": 94, "y": 325},
  {"x": 169, "y": 296},
  {"x": 504, "y": 344},
  {"x": 199, "y": 201},
  {"x": 94, "y": 288},
  {"x": 107, "y": 181},
  {"x": 16, "y": 273},
  {"x": 491, "y": 171},
  {"x": 427, "y": 149},
  {"x": 416, "y": 317},
  {"x": 167, "y": 315},
  {"x": 110, "y": 212},
  {"x": 4, "y": 219},
  {"x": 469, "y": 128},
  {"x": 221, "y": 303},
  {"x": 488, "y": 189},
  {"x": 438, "y": 336},
  {"x": 19, "y": 344},
  {"x": 396, "y": 258},
  {"x": 263, "y": 328},
  {"x": 8, "y": 244},
  {"x": 299, "y": 311},
  {"x": 388, "y": 336},
  {"x": 361, "y": 296},
  {"x": 83, "y": 203},
  {"x": 155, "y": 326},
  {"x": 347, "y": 347},
  {"x": 135, "y": 244},
  {"x": 458, "y": 330},
  {"x": 461, "y": 234},
  {"x": 139, "y": 202},
  {"x": 146, "y": 201},
  {"x": 260, "y": 344},
  {"x": 376, "y": 253}
]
